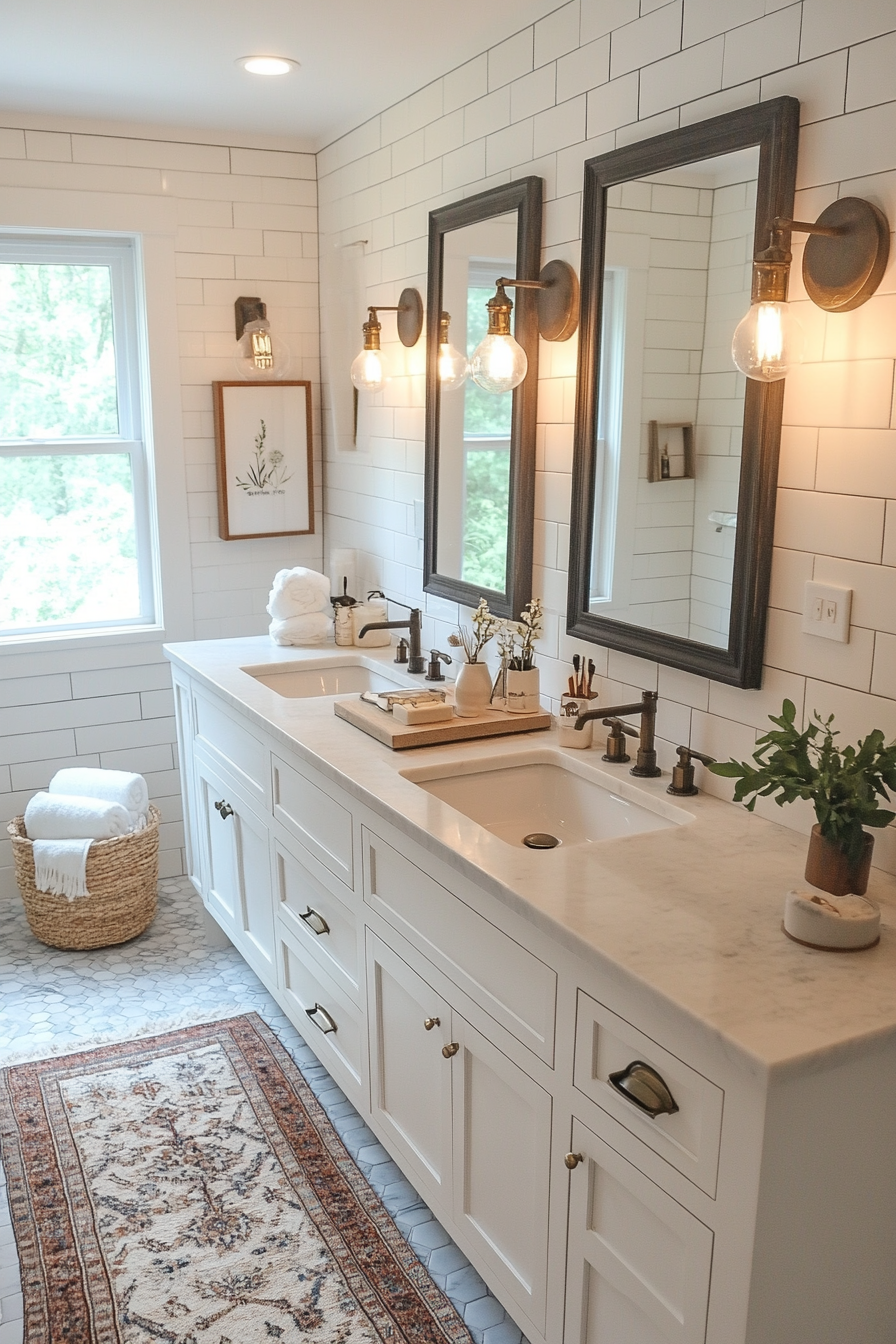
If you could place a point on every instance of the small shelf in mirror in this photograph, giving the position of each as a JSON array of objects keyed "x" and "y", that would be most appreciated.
[{"x": 670, "y": 451}]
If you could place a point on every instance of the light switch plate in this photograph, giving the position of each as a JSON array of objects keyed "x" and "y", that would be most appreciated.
[{"x": 826, "y": 611}]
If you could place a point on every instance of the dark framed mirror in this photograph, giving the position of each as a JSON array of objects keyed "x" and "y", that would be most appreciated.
[
  {"x": 676, "y": 453},
  {"x": 480, "y": 447}
]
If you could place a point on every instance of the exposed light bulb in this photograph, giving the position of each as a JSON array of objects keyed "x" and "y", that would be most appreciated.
[
  {"x": 368, "y": 371},
  {"x": 260, "y": 354},
  {"x": 454, "y": 368},
  {"x": 767, "y": 342},
  {"x": 499, "y": 362}
]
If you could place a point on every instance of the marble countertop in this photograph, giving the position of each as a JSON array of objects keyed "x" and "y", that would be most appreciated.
[{"x": 693, "y": 911}]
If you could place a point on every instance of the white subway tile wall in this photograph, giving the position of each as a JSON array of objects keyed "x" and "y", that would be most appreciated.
[
  {"x": 246, "y": 224},
  {"x": 632, "y": 70}
]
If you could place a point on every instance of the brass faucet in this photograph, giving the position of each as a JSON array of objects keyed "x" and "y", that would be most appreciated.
[{"x": 645, "y": 766}]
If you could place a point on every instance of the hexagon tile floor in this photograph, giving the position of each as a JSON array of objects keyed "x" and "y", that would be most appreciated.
[{"x": 52, "y": 1002}]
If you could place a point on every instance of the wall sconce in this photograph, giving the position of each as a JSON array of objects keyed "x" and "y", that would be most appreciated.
[
  {"x": 260, "y": 354},
  {"x": 454, "y": 368},
  {"x": 499, "y": 362},
  {"x": 843, "y": 264},
  {"x": 368, "y": 371}
]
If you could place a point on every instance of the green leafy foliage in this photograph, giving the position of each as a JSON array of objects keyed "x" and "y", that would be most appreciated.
[
  {"x": 67, "y": 541},
  {"x": 486, "y": 504},
  {"x": 57, "y": 361},
  {"x": 844, "y": 785}
]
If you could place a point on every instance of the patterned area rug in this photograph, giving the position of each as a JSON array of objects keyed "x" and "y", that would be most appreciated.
[{"x": 189, "y": 1189}]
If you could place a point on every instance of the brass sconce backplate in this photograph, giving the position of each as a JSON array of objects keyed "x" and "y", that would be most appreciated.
[
  {"x": 558, "y": 304},
  {"x": 841, "y": 272},
  {"x": 410, "y": 316}
]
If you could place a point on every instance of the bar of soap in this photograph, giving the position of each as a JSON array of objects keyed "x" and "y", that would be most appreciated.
[
  {"x": 421, "y": 713},
  {"x": 840, "y": 923}
]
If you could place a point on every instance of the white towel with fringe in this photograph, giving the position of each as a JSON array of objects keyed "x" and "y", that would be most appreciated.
[
  {"x": 60, "y": 867},
  {"x": 115, "y": 786},
  {"x": 57, "y": 816}
]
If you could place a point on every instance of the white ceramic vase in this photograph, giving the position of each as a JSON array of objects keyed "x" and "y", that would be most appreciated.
[
  {"x": 472, "y": 690},
  {"x": 521, "y": 694}
]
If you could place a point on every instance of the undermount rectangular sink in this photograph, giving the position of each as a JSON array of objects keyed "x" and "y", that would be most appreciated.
[
  {"x": 544, "y": 796},
  {"x": 299, "y": 681}
]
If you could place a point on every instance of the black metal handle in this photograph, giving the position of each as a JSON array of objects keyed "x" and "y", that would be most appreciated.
[
  {"x": 318, "y": 1011},
  {"x": 644, "y": 1088},
  {"x": 316, "y": 922},
  {"x": 224, "y": 810}
]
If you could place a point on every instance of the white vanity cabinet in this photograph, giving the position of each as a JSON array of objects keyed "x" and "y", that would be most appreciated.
[
  {"x": 479, "y": 1046},
  {"x": 234, "y": 840},
  {"x": 471, "y": 1128}
]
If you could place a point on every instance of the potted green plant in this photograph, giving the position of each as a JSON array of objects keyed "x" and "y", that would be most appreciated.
[{"x": 845, "y": 786}]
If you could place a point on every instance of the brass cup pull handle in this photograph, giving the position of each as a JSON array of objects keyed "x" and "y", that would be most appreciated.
[
  {"x": 572, "y": 1160},
  {"x": 315, "y": 922},
  {"x": 321, "y": 1019},
  {"x": 644, "y": 1088},
  {"x": 224, "y": 810},
  {"x": 430, "y": 1022},
  {"x": 450, "y": 1049}
]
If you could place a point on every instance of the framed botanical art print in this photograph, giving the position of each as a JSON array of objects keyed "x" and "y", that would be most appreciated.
[{"x": 263, "y": 451}]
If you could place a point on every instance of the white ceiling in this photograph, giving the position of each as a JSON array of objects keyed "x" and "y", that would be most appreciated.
[{"x": 172, "y": 61}]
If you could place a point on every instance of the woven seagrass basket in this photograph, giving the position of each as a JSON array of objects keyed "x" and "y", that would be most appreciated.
[{"x": 122, "y": 875}]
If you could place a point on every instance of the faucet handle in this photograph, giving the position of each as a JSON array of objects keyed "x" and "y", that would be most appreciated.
[
  {"x": 683, "y": 785},
  {"x": 435, "y": 672},
  {"x": 616, "y": 751}
]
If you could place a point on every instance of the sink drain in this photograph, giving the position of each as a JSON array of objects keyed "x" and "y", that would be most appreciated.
[{"x": 540, "y": 840}]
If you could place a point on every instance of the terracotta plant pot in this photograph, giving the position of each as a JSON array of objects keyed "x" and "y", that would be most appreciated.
[{"x": 828, "y": 867}]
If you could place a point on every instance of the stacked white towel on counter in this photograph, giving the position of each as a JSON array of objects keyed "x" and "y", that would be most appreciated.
[
  {"x": 80, "y": 806},
  {"x": 299, "y": 607},
  {"x": 301, "y": 630}
]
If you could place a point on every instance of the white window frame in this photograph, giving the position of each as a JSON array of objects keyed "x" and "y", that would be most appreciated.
[{"x": 122, "y": 254}]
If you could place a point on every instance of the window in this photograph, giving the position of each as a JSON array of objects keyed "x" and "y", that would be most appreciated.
[
  {"x": 75, "y": 546},
  {"x": 487, "y": 421}
]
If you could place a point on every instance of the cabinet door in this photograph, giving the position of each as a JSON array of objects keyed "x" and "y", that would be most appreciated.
[
  {"x": 502, "y": 1154},
  {"x": 639, "y": 1263},
  {"x": 410, "y": 1078},
  {"x": 238, "y": 870}
]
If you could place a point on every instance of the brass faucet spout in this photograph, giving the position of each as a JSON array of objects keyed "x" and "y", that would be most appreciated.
[{"x": 646, "y": 766}]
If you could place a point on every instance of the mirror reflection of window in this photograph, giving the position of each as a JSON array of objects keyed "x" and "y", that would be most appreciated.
[
  {"x": 678, "y": 252},
  {"x": 475, "y": 425},
  {"x": 487, "y": 421}
]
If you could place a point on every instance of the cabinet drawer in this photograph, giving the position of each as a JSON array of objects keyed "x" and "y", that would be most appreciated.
[
  {"x": 512, "y": 985},
  {"x": 315, "y": 818},
  {"x": 321, "y": 922},
  {"x": 232, "y": 745},
  {"x": 639, "y": 1264},
  {"x": 336, "y": 1034},
  {"x": 689, "y": 1140}
]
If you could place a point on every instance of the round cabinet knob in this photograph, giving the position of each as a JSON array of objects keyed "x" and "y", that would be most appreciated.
[
  {"x": 450, "y": 1049},
  {"x": 572, "y": 1160},
  {"x": 430, "y": 1022}
]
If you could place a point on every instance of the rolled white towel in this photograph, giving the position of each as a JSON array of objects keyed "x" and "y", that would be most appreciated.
[
  {"x": 298, "y": 592},
  {"x": 57, "y": 816},
  {"x": 115, "y": 786},
  {"x": 60, "y": 867},
  {"x": 301, "y": 630}
]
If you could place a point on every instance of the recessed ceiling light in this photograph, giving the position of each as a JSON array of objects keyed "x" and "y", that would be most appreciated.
[{"x": 267, "y": 65}]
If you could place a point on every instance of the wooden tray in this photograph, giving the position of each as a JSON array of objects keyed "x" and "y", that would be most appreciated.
[{"x": 398, "y": 736}]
